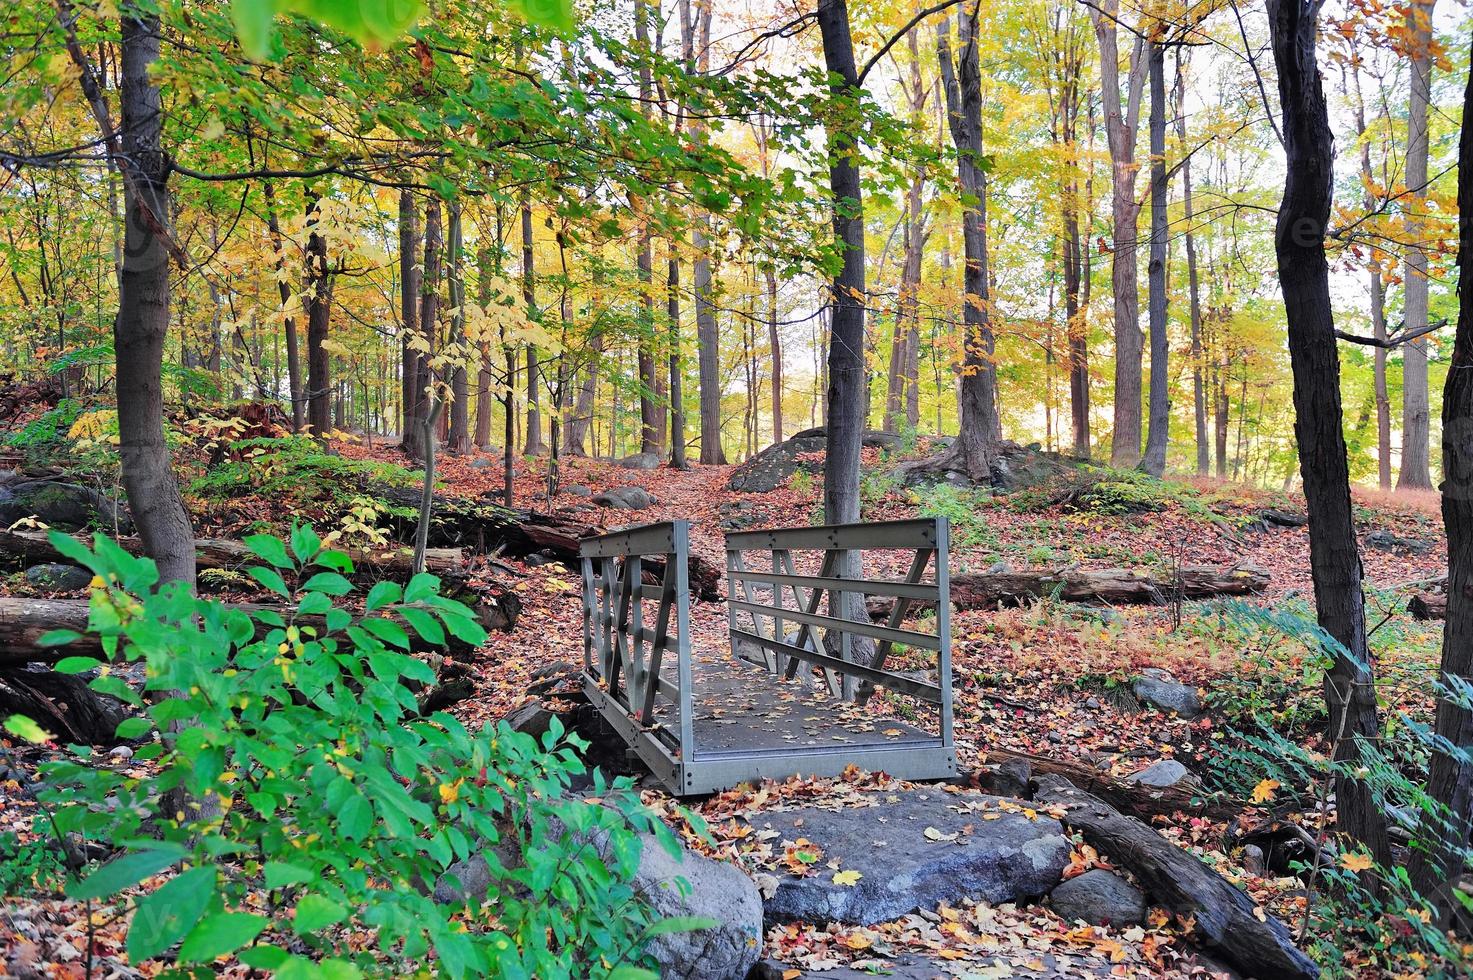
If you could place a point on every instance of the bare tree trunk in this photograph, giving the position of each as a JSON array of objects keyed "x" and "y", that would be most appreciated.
[
  {"x": 695, "y": 47},
  {"x": 1437, "y": 868},
  {"x": 1299, "y": 242},
  {"x": 142, "y": 322},
  {"x": 775, "y": 348},
  {"x": 319, "y": 285},
  {"x": 1158, "y": 434},
  {"x": 1199, "y": 388},
  {"x": 962, "y": 82},
  {"x": 1415, "y": 410},
  {"x": 485, "y": 377},
  {"x": 1378, "y": 299},
  {"x": 409, "y": 287},
  {"x": 677, "y": 365},
  {"x": 1122, "y": 124},
  {"x": 289, "y": 322},
  {"x": 460, "y": 430},
  {"x": 534, "y": 445},
  {"x": 429, "y": 318}
]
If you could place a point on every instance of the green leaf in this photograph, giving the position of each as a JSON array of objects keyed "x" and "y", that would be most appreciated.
[
  {"x": 279, "y": 873},
  {"x": 264, "y": 957},
  {"x": 122, "y": 872},
  {"x": 269, "y": 579},
  {"x": 387, "y": 630},
  {"x": 76, "y": 665},
  {"x": 382, "y": 594},
  {"x": 314, "y": 604},
  {"x": 464, "y": 628},
  {"x": 315, "y": 912},
  {"x": 355, "y": 818},
  {"x": 338, "y": 561},
  {"x": 130, "y": 728},
  {"x": 305, "y": 542},
  {"x": 162, "y": 919},
  {"x": 23, "y": 727},
  {"x": 425, "y": 625},
  {"x": 556, "y": 14},
  {"x": 221, "y": 933},
  {"x": 265, "y": 546},
  {"x": 421, "y": 587},
  {"x": 329, "y": 582},
  {"x": 58, "y": 638},
  {"x": 253, "y": 26}
]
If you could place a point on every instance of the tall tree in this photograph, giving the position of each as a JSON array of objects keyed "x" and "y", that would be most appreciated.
[
  {"x": 409, "y": 288},
  {"x": 1415, "y": 411},
  {"x": 534, "y": 445},
  {"x": 1158, "y": 433},
  {"x": 1437, "y": 866},
  {"x": 1304, "y": 279},
  {"x": 677, "y": 362},
  {"x": 289, "y": 320},
  {"x": 695, "y": 44},
  {"x": 319, "y": 286},
  {"x": 1194, "y": 293},
  {"x": 460, "y": 432},
  {"x": 429, "y": 320},
  {"x": 651, "y": 412},
  {"x": 1122, "y": 109}
]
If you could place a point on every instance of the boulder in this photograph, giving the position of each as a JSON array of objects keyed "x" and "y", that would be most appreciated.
[
  {"x": 533, "y": 718},
  {"x": 624, "y": 498},
  {"x": 913, "y": 850},
  {"x": 1167, "y": 772},
  {"x": 1160, "y": 689},
  {"x": 482, "y": 463},
  {"x": 62, "y": 505},
  {"x": 775, "y": 465},
  {"x": 1100, "y": 898},
  {"x": 641, "y": 461},
  {"x": 578, "y": 490},
  {"x": 1384, "y": 540},
  {"x": 58, "y": 576}
]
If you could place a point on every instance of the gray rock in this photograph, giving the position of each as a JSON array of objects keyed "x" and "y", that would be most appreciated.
[
  {"x": 532, "y": 718},
  {"x": 1167, "y": 772},
  {"x": 482, "y": 463},
  {"x": 775, "y": 465},
  {"x": 913, "y": 850},
  {"x": 58, "y": 576},
  {"x": 578, "y": 490},
  {"x": 1099, "y": 898},
  {"x": 624, "y": 498},
  {"x": 641, "y": 461},
  {"x": 62, "y": 505},
  {"x": 1159, "y": 689},
  {"x": 1384, "y": 540},
  {"x": 1253, "y": 859}
]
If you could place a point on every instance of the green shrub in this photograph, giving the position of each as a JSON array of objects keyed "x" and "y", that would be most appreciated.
[
  {"x": 296, "y": 473},
  {"x": 29, "y": 867},
  {"x": 304, "y": 806},
  {"x": 964, "y": 508},
  {"x": 47, "y": 433}
]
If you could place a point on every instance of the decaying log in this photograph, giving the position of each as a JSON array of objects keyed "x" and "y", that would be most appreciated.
[
  {"x": 1111, "y": 586},
  {"x": 394, "y": 563},
  {"x": 1428, "y": 605},
  {"x": 484, "y": 525},
  {"x": 1136, "y": 799},
  {"x": 1227, "y": 920},
  {"x": 24, "y": 621},
  {"x": 62, "y": 704}
]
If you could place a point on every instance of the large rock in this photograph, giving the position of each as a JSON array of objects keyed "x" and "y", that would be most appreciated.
[
  {"x": 679, "y": 885},
  {"x": 913, "y": 850},
  {"x": 1159, "y": 689},
  {"x": 1099, "y": 898},
  {"x": 641, "y": 461},
  {"x": 775, "y": 465},
  {"x": 624, "y": 498},
  {"x": 1167, "y": 772},
  {"x": 58, "y": 576},
  {"x": 62, "y": 505}
]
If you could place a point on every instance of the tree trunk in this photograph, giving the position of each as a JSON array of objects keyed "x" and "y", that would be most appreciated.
[
  {"x": 319, "y": 286},
  {"x": 409, "y": 289},
  {"x": 962, "y": 82},
  {"x": 429, "y": 319},
  {"x": 1121, "y": 128},
  {"x": 289, "y": 322},
  {"x": 1194, "y": 300},
  {"x": 775, "y": 348},
  {"x": 142, "y": 322},
  {"x": 534, "y": 445},
  {"x": 485, "y": 379},
  {"x": 696, "y": 36},
  {"x": 460, "y": 429},
  {"x": 1158, "y": 435},
  {"x": 1378, "y": 298},
  {"x": 1437, "y": 868},
  {"x": 907, "y": 308},
  {"x": 677, "y": 363},
  {"x": 1299, "y": 242},
  {"x": 1415, "y": 410}
]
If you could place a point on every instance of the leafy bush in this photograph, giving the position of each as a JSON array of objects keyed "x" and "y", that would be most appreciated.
[
  {"x": 296, "y": 473},
  {"x": 47, "y": 433},
  {"x": 304, "y": 807},
  {"x": 963, "y": 507},
  {"x": 32, "y": 866}
]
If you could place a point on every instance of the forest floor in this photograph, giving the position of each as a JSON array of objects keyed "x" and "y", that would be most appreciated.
[{"x": 1050, "y": 678}]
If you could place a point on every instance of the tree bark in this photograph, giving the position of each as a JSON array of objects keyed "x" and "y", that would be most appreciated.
[
  {"x": 534, "y": 445},
  {"x": 1194, "y": 299},
  {"x": 1158, "y": 433},
  {"x": 1438, "y": 866},
  {"x": 319, "y": 286},
  {"x": 409, "y": 290},
  {"x": 1415, "y": 411},
  {"x": 695, "y": 36},
  {"x": 429, "y": 320},
  {"x": 460, "y": 429},
  {"x": 142, "y": 322},
  {"x": 1299, "y": 242},
  {"x": 485, "y": 378},
  {"x": 1122, "y": 124},
  {"x": 289, "y": 322},
  {"x": 677, "y": 363}
]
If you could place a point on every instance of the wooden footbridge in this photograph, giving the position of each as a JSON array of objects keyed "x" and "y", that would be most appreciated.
[{"x": 804, "y": 683}]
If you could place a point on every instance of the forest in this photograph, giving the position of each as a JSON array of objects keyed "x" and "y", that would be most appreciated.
[{"x": 637, "y": 489}]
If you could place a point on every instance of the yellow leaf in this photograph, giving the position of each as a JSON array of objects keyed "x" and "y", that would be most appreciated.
[
  {"x": 847, "y": 877},
  {"x": 1265, "y": 790},
  {"x": 1356, "y": 862}
]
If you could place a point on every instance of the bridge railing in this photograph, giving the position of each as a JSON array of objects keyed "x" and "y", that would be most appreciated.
[{"x": 831, "y": 633}]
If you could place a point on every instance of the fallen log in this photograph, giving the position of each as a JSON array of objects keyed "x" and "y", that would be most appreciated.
[
  {"x": 23, "y": 621},
  {"x": 394, "y": 562},
  {"x": 1428, "y": 605},
  {"x": 483, "y": 525},
  {"x": 1108, "y": 586},
  {"x": 1227, "y": 920},
  {"x": 1136, "y": 799},
  {"x": 62, "y": 704}
]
